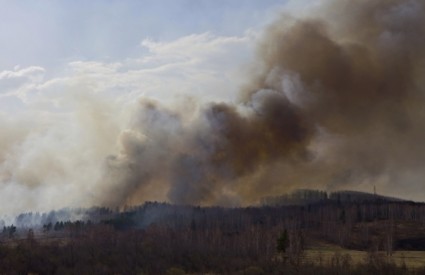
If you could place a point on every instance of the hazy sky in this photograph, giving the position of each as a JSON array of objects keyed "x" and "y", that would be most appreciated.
[
  {"x": 71, "y": 73},
  {"x": 50, "y": 33},
  {"x": 44, "y": 41},
  {"x": 91, "y": 89}
]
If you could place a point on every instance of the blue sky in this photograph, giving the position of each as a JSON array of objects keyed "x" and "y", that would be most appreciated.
[
  {"x": 48, "y": 42},
  {"x": 49, "y": 33}
]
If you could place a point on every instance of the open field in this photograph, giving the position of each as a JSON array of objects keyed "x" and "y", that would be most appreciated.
[{"x": 326, "y": 253}]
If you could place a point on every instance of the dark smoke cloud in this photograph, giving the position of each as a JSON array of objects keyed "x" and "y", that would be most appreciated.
[{"x": 335, "y": 100}]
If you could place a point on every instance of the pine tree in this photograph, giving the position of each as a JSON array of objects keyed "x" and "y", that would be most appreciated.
[{"x": 282, "y": 242}]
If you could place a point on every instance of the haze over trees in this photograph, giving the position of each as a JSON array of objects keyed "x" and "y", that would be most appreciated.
[
  {"x": 332, "y": 99},
  {"x": 156, "y": 238}
]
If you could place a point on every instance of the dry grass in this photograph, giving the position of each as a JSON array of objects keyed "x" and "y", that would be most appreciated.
[{"x": 323, "y": 254}]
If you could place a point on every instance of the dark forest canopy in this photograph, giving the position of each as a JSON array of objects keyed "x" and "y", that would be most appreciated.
[{"x": 159, "y": 238}]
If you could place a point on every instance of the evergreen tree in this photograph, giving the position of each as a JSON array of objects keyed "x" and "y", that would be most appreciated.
[{"x": 282, "y": 242}]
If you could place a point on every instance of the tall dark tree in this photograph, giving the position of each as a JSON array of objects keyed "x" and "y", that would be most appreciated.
[{"x": 282, "y": 242}]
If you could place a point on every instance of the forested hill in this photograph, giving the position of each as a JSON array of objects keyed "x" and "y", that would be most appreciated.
[
  {"x": 177, "y": 215},
  {"x": 309, "y": 196},
  {"x": 156, "y": 237}
]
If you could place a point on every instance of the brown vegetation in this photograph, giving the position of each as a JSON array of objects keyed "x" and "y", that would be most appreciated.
[{"x": 168, "y": 239}]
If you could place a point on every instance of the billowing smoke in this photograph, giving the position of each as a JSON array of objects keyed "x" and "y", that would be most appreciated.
[{"x": 335, "y": 99}]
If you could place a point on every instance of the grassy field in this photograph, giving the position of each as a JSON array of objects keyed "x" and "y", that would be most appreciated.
[{"x": 324, "y": 254}]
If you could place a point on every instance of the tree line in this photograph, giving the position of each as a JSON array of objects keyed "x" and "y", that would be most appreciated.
[{"x": 159, "y": 238}]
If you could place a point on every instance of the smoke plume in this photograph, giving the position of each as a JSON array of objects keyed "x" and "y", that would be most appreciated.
[{"x": 335, "y": 99}]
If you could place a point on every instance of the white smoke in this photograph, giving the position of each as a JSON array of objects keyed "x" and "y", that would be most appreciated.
[{"x": 58, "y": 132}]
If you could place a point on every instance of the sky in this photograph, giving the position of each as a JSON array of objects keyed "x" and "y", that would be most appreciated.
[
  {"x": 91, "y": 89},
  {"x": 72, "y": 72},
  {"x": 43, "y": 42},
  {"x": 50, "y": 33}
]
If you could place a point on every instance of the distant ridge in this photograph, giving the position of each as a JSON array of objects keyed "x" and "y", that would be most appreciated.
[{"x": 309, "y": 196}]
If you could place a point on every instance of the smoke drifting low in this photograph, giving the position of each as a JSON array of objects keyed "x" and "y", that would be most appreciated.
[{"x": 334, "y": 100}]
